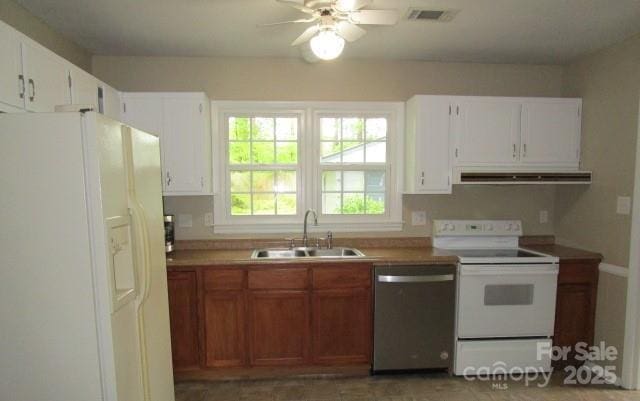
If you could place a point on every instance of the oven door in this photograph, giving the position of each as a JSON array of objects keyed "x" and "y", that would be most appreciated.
[{"x": 506, "y": 300}]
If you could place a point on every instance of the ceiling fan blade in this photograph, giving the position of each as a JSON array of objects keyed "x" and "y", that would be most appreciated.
[
  {"x": 306, "y": 35},
  {"x": 349, "y": 32},
  {"x": 352, "y": 5},
  {"x": 297, "y": 6},
  {"x": 297, "y": 21},
  {"x": 374, "y": 17}
]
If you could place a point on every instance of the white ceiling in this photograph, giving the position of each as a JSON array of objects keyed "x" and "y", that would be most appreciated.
[{"x": 501, "y": 31}]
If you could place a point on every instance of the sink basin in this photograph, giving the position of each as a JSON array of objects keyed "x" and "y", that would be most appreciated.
[{"x": 282, "y": 253}]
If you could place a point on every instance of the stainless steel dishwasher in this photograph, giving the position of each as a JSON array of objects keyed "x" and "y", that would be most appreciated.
[{"x": 414, "y": 317}]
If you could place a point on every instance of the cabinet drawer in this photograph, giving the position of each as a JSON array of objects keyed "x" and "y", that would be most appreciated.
[
  {"x": 344, "y": 276},
  {"x": 223, "y": 280},
  {"x": 284, "y": 279},
  {"x": 574, "y": 273}
]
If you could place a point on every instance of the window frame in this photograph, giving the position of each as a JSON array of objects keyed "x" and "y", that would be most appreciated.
[{"x": 308, "y": 179}]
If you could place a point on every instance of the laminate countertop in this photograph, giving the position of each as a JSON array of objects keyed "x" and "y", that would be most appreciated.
[
  {"x": 398, "y": 256},
  {"x": 565, "y": 253}
]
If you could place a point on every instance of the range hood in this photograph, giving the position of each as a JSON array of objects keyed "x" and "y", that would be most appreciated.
[{"x": 528, "y": 177}]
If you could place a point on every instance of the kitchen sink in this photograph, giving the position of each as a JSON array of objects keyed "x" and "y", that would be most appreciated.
[{"x": 306, "y": 252}]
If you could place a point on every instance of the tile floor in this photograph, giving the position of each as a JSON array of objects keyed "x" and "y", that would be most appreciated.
[{"x": 432, "y": 387}]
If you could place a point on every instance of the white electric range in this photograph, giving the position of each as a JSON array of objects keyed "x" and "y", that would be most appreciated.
[{"x": 506, "y": 297}]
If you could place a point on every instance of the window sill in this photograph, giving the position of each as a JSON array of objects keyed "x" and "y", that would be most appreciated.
[{"x": 267, "y": 228}]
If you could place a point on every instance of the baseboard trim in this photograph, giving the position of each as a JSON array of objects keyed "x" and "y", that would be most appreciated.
[{"x": 615, "y": 270}]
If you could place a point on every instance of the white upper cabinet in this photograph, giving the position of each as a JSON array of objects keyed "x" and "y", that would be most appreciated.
[
  {"x": 486, "y": 132},
  {"x": 12, "y": 84},
  {"x": 182, "y": 121},
  {"x": 47, "y": 79},
  {"x": 84, "y": 88},
  {"x": 427, "y": 156},
  {"x": 551, "y": 132},
  {"x": 111, "y": 104}
]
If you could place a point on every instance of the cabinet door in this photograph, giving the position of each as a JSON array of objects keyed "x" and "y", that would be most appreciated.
[
  {"x": 183, "y": 316},
  {"x": 47, "y": 79},
  {"x": 12, "y": 86},
  {"x": 551, "y": 132},
  {"x": 342, "y": 326},
  {"x": 182, "y": 144},
  {"x": 279, "y": 327},
  {"x": 432, "y": 145},
  {"x": 224, "y": 325},
  {"x": 111, "y": 102},
  {"x": 143, "y": 113},
  {"x": 487, "y": 132},
  {"x": 84, "y": 88}
]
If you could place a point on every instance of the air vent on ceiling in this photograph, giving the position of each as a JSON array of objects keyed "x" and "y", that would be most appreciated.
[{"x": 416, "y": 14}]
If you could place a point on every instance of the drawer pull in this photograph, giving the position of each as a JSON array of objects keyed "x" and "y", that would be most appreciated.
[{"x": 415, "y": 279}]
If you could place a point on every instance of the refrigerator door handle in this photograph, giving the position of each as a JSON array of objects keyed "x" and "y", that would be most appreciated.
[{"x": 142, "y": 245}]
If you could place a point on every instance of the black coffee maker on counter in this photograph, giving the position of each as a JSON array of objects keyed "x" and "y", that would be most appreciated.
[{"x": 169, "y": 236}]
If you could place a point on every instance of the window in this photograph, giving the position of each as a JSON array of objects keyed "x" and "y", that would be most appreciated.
[
  {"x": 263, "y": 165},
  {"x": 275, "y": 160},
  {"x": 353, "y": 165}
]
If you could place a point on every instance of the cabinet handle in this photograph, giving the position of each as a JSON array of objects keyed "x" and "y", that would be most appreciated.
[
  {"x": 422, "y": 178},
  {"x": 22, "y": 87},
  {"x": 32, "y": 85},
  {"x": 524, "y": 150},
  {"x": 168, "y": 179},
  {"x": 514, "y": 150}
]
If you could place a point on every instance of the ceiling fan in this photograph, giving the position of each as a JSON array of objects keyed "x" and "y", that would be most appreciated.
[{"x": 335, "y": 21}]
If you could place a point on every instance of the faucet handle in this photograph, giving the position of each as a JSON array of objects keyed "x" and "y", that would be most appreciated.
[
  {"x": 292, "y": 242},
  {"x": 329, "y": 240}
]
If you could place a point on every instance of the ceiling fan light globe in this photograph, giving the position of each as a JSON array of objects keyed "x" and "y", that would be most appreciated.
[{"x": 327, "y": 45}]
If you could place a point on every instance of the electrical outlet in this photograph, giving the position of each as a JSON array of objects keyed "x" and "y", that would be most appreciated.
[
  {"x": 419, "y": 218},
  {"x": 208, "y": 219},
  {"x": 623, "y": 205},
  {"x": 544, "y": 217},
  {"x": 185, "y": 220}
]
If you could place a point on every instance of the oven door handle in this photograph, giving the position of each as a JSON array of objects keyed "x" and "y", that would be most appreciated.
[
  {"x": 509, "y": 273},
  {"x": 415, "y": 279}
]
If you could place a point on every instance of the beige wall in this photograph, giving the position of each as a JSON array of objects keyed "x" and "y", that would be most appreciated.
[
  {"x": 610, "y": 313},
  {"x": 609, "y": 83},
  {"x": 19, "y": 18},
  {"x": 291, "y": 79}
]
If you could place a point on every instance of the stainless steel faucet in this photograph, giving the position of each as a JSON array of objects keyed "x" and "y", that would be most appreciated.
[{"x": 305, "y": 238}]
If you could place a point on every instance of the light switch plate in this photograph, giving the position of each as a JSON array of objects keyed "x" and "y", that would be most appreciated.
[
  {"x": 623, "y": 205},
  {"x": 544, "y": 217},
  {"x": 419, "y": 218},
  {"x": 185, "y": 220},
  {"x": 208, "y": 219}
]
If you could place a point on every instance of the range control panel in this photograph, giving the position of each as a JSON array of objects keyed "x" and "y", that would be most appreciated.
[{"x": 477, "y": 228}]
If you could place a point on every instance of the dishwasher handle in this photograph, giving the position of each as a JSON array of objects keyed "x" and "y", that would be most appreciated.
[{"x": 415, "y": 279}]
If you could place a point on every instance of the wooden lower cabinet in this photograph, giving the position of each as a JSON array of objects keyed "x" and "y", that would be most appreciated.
[
  {"x": 279, "y": 327},
  {"x": 271, "y": 316},
  {"x": 342, "y": 326},
  {"x": 575, "y": 305},
  {"x": 224, "y": 329},
  {"x": 183, "y": 317}
]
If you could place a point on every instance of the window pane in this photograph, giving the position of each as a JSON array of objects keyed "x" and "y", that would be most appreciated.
[
  {"x": 240, "y": 181},
  {"x": 331, "y": 181},
  {"x": 331, "y": 203},
  {"x": 286, "y": 129},
  {"x": 239, "y": 129},
  {"x": 352, "y": 129},
  {"x": 286, "y": 181},
  {"x": 354, "y": 181},
  {"x": 238, "y": 152},
  {"x": 263, "y": 128},
  {"x": 262, "y": 152},
  {"x": 286, "y": 204},
  {"x": 376, "y": 128},
  {"x": 353, "y": 152},
  {"x": 264, "y": 204},
  {"x": 330, "y": 152},
  {"x": 376, "y": 152},
  {"x": 286, "y": 152},
  {"x": 375, "y": 204},
  {"x": 263, "y": 181},
  {"x": 330, "y": 129},
  {"x": 353, "y": 203},
  {"x": 240, "y": 204},
  {"x": 375, "y": 181}
]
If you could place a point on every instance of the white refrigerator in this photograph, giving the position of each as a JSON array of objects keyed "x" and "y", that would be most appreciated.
[{"x": 83, "y": 288}]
